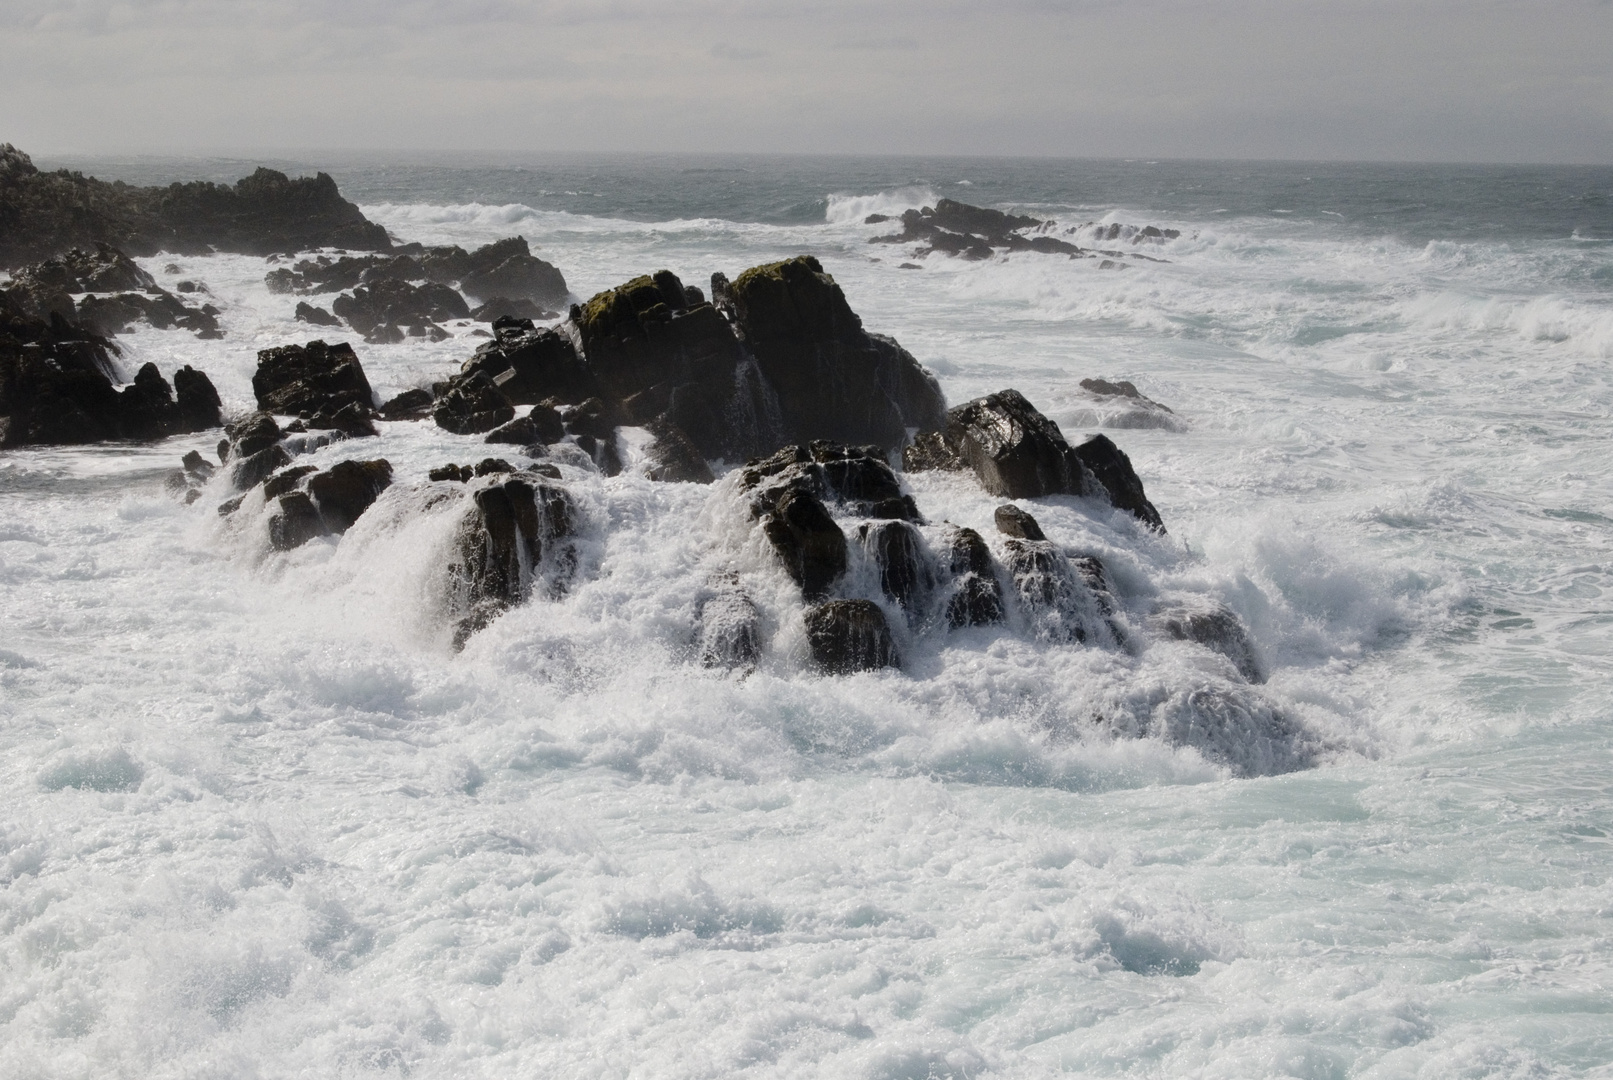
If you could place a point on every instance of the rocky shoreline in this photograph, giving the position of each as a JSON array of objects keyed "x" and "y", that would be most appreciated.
[{"x": 771, "y": 383}]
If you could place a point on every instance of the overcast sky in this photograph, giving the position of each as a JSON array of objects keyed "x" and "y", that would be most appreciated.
[{"x": 1421, "y": 80}]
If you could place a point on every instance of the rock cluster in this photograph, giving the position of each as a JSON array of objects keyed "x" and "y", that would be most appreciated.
[
  {"x": 43, "y": 214},
  {"x": 128, "y": 294},
  {"x": 977, "y": 232},
  {"x": 56, "y": 386}
]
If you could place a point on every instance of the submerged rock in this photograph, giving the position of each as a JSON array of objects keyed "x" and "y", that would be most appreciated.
[
  {"x": 730, "y": 630},
  {"x": 531, "y": 365},
  {"x": 1217, "y": 628},
  {"x": 857, "y": 477},
  {"x": 904, "y": 566},
  {"x": 294, "y": 522},
  {"x": 848, "y": 636},
  {"x": 345, "y": 490},
  {"x": 807, "y": 540}
]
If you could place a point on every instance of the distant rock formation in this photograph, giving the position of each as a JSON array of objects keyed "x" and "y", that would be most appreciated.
[
  {"x": 44, "y": 214},
  {"x": 128, "y": 294},
  {"x": 977, "y": 232},
  {"x": 504, "y": 277}
]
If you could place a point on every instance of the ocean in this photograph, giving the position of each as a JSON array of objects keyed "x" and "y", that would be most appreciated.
[{"x": 258, "y": 818}]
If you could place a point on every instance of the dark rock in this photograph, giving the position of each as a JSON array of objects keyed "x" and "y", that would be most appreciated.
[
  {"x": 502, "y": 307},
  {"x": 316, "y": 316},
  {"x": 472, "y": 405},
  {"x": 230, "y": 506},
  {"x": 591, "y": 417},
  {"x": 929, "y": 450},
  {"x": 197, "y": 466},
  {"x": 492, "y": 465},
  {"x": 198, "y": 402},
  {"x": 513, "y": 539},
  {"x": 351, "y": 419},
  {"x": 1113, "y": 469},
  {"x": 876, "y": 219},
  {"x": 456, "y": 473},
  {"x": 855, "y": 476},
  {"x": 100, "y": 268},
  {"x": 162, "y": 310},
  {"x": 410, "y": 405},
  {"x": 530, "y": 365},
  {"x": 248, "y": 470},
  {"x": 807, "y": 540},
  {"x": 848, "y": 636},
  {"x": 310, "y": 378},
  {"x": 286, "y": 480},
  {"x": 543, "y": 468},
  {"x": 730, "y": 630},
  {"x": 250, "y": 434},
  {"x": 346, "y": 490},
  {"x": 518, "y": 274},
  {"x": 1055, "y": 600},
  {"x": 389, "y": 302},
  {"x": 384, "y": 334},
  {"x": 1015, "y": 451},
  {"x": 832, "y": 380},
  {"x": 147, "y": 405},
  {"x": 674, "y": 457},
  {"x": 294, "y": 522},
  {"x": 42, "y": 214},
  {"x": 541, "y": 425},
  {"x": 1217, "y": 628},
  {"x": 977, "y": 597},
  {"x": 904, "y": 567},
  {"x": 1012, "y": 521}
]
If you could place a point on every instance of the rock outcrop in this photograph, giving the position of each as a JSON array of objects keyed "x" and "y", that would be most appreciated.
[
  {"x": 43, "y": 214},
  {"x": 56, "y": 387},
  {"x": 502, "y": 273},
  {"x": 312, "y": 379},
  {"x": 977, "y": 595},
  {"x": 473, "y": 405},
  {"x": 976, "y": 232},
  {"x": 848, "y": 636},
  {"x": 392, "y": 304},
  {"x": 514, "y": 539},
  {"x": 1113, "y": 469}
]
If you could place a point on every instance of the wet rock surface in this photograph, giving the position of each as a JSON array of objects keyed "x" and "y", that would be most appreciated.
[
  {"x": 45, "y": 213},
  {"x": 1217, "y": 628},
  {"x": 473, "y": 405},
  {"x": 975, "y": 232},
  {"x": 1013, "y": 449},
  {"x": 1113, "y": 469},
  {"x": 312, "y": 378},
  {"x": 848, "y": 636},
  {"x": 504, "y": 272},
  {"x": 513, "y": 539},
  {"x": 392, "y": 303}
]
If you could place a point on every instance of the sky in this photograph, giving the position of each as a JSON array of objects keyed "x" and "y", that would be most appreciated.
[{"x": 1397, "y": 80}]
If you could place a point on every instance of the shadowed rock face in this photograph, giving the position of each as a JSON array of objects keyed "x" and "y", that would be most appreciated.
[
  {"x": 312, "y": 378},
  {"x": 42, "y": 214},
  {"x": 1217, "y": 628},
  {"x": 807, "y": 540},
  {"x": 833, "y": 380},
  {"x": 977, "y": 597},
  {"x": 55, "y": 387},
  {"x": 855, "y": 476},
  {"x": 473, "y": 405},
  {"x": 390, "y": 302},
  {"x": 904, "y": 566},
  {"x": 531, "y": 365},
  {"x": 1113, "y": 469},
  {"x": 513, "y": 536},
  {"x": 848, "y": 636}
]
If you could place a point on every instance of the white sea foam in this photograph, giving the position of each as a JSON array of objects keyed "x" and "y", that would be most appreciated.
[{"x": 260, "y": 819}]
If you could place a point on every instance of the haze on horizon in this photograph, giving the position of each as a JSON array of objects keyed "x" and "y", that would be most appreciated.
[{"x": 1421, "y": 80}]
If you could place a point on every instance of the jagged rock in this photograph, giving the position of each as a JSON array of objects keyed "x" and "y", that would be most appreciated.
[
  {"x": 351, "y": 419},
  {"x": 1113, "y": 469},
  {"x": 1121, "y": 405},
  {"x": 384, "y": 334},
  {"x": 856, "y": 476},
  {"x": 472, "y": 405},
  {"x": 251, "y": 433},
  {"x": 508, "y": 268},
  {"x": 593, "y": 429},
  {"x": 977, "y": 597},
  {"x": 513, "y": 537},
  {"x": 295, "y": 521},
  {"x": 832, "y": 380},
  {"x": 1012, "y": 521},
  {"x": 502, "y": 307},
  {"x": 904, "y": 568},
  {"x": 315, "y": 316},
  {"x": 674, "y": 457},
  {"x": 458, "y": 474},
  {"x": 449, "y": 265},
  {"x": 287, "y": 479},
  {"x": 1014, "y": 450},
  {"x": 807, "y": 540},
  {"x": 162, "y": 310},
  {"x": 43, "y": 213},
  {"x": 531, "y": 365},
  {"x": 956, "y": 228},
  {"x": 147, "y": 405},
  {"x": 248, "y": 470},
  {"x": 730, "y": 630},
  {"x": 1217, "y": 628},
  {"x": 541, "y": 425},
  {"x": 929, "y": 450},
  {"x": 489, "y": 466},
  {"x": 198, "y": 402},
  {"x": 1055, "y": 600},
  {"x": 410, "y": 405},
  {"x": 389, "y": 302},
  {"x": 847, "y": 636},
  {"x": 296, "y": 379},
  {"x": 100, "y": 269},
  {"x": 660, "y": 358},
  {"x": 346, "y": 490}
]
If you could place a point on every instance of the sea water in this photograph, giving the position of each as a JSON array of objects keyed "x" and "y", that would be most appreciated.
[{"x": 259, "y": 819}]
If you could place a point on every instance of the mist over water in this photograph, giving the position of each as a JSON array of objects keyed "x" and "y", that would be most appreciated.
[{"x": 261, "y": 820}]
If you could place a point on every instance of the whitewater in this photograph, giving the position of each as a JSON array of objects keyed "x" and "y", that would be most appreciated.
[{"x": 258, "y": 818}]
